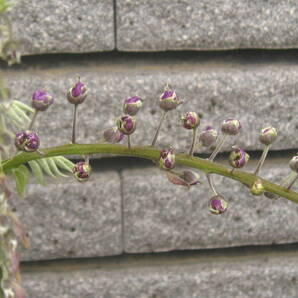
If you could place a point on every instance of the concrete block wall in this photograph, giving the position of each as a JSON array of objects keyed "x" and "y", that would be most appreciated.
[{"x": 128, "y": 232}]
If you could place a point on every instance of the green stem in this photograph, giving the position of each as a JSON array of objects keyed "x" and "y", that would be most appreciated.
[
  {"x": 262, "y": 159},
  {"x": 193, "y": 143},
  {"x": 152, "y": 154},
  {"x": 158, "y": 128}
]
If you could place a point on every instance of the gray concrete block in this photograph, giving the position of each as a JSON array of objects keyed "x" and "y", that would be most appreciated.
[
  {"x": 67, "y": 219},
  {"x": 257, "y": 94},
  {"x": 264, "y": 277},
  {"x": 63, "y": 26},
  {"x": 205, "y": 25},
  {"x": 160, "y": 216}
]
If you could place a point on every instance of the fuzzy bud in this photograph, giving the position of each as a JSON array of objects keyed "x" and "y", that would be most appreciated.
[
  {"x": 167, "y": 159},
  {"x": 208, "y": 136},
  {"x": 257, "y": 188},
  {"x": 113, "y": 135},
  {"x": 126, "y": 124},
  {"x": 169, "y": 100},
  {"x": 41, "y": 100},
  {"x": 294, "y": 164},
  {"x": 218, "y": 205},
  {"x": 190, "y": 120},
  {"x": 231, "y": 127},
  {"x": 238, "y": 158},
  {"x": 186, "y": 178},
  {"x": 27, "y": 141},
  {"x": 132, "y": 105},
  {"x": 82, "y": 171},
  {"x": 268, "y": 135},
  {"x": 78, "y": 93}
]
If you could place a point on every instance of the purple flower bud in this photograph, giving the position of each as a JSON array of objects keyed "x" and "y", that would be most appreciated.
[
  {"x": 231, "y": 127},
  {"x": 238, "y": 158},
  {"x": 113, "y": 135},
  {"x": 257, "y": 188},
  {"x": 217, "y": 205},
  {"x": 190, "y": 120},
  {"x": 294, "y": 164},
  {"x": 167, "y": 159},
  {"x": 268, "y": 135},
  {"x": 126, "y": 124},
  {"x": 82, "y": 171},
  {"x": 169, "y": 100},
  {"x": 27, "y": 141},
  {"x": 78, "y": 93},
  {"x": 208, "y": 136},
  {"x": 132, "y": 105},
  {"x": 41, "y": 100},
  {"x": 186, "y": 178}
]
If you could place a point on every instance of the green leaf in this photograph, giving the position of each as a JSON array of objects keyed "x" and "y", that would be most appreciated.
[
  {"x": 43, "y": 162},
  {"x": 23, "y": 106},
  {"x": 37, "y": 171},
  {"x": 64, "y": 163},
  {"x": 54, "y": 168},
  {"x": 21, "y": 175}
]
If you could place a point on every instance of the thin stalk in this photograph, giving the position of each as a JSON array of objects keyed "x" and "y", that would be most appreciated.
[
  {"x": 158, "y": 128},
  {"x": 210, "y": 181},
  {"x": 87, "y": 157},
  {"x": 128, "y": 142},
  {"x": 73, "y": 138},
  {"x": 152, "y": 154},
  {"x": 33, "y": 120},
  {"x": 262, "y": 159},
  {"x": 218, "y": 147},
  {"x": 292, "y": 182},
  {"x": 194, "y": 139}
]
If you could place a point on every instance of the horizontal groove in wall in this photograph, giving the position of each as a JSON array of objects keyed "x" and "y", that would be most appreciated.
[{"x": 242, "y": 253}]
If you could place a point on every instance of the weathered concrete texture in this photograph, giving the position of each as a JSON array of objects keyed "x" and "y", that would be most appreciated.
[
  {"x": 160, "y": 216},
  {"x": 203, "y": 25},
  {"x": 264, "y": 277},
  {"x": 256, "y": 94},
  {"x": 63, "y": 26},
  {"x": 67, "y": 219}
]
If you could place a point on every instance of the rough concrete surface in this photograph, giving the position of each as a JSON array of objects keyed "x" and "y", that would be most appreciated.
[
  {"x": 67, "y": 219},
  {"x": 257, "y": 94},
  {"x": 63, "y": 26},
  {"x": 205, "y": 25},
  {"x": 262, "y": 277},
  {"x": 160, "y": 216}
]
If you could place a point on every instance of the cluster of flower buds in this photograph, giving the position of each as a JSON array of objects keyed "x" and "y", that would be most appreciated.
[
  {"x": 27, "y": 141},
  {"x": 82, "y": 171},
  {"x": 167, "y": 159}
]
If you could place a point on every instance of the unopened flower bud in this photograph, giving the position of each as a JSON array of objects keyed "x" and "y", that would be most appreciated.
[
  {"x": 268, "y": 135},
  {"x": 231, "y": 127},
  {"x": 190, "y": 120},
  {"x": 78, "y": 93},
  {"x": 186, "y": 178},
  {"x": 294, "y": 164},
  {"x": 208, "y": 136},
  {"x": 41, "y": 100},
  {"x": 218, "y": 205},
  {"x": 257, "y": 188},
  {"x": 238, "y": 158},
  {"x": 82, "y": 171},
  {"x": 132, "y": 105},
  {"x": 27, "y": 141},
  {"x": 126, "y": 124},
  {"x": 113, "y": 135},
  {"x": 167, "y": 159},
  {"x": 169, "y": 100},
  {"x": 11, "y": 52}
]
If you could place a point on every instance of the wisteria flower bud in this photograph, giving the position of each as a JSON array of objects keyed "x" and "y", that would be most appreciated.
[
  {"x": 190, "y": 120},
  {"x": 238, "y": 158},
  {"x": 167, "y": 159},
  {"x": 294, "y": 164},
  {"x": 186, "y": 178},
  {"x": 132, "y": 105},
  {"x": 231, "y": 127},
  {"x": 113, "y": 135},
  {"x": 41, "y": 100},
  {"x": 218, "y": 205},
  {"x": 27, "y": 141},
  {"x": 268, "y": 135},
  {"x": 126, "y": 124},
  {"x": 82, "y": 171},
  {"x": 257, "y": 188},
  {"x": 78, "y": 93},
  {"x": 169, "y": 100},
  {"x": 208, "y": 136}
]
